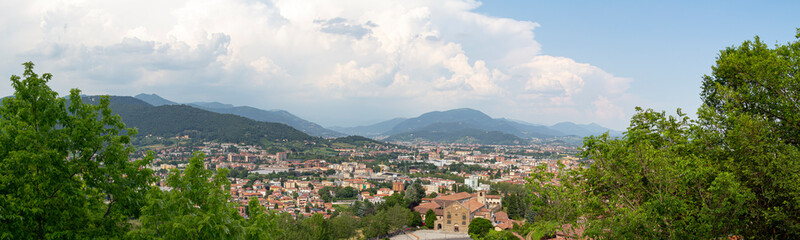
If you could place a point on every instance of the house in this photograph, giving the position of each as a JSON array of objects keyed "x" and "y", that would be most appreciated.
[
  {"x": 385, "y": 191},
  {"x": 398, "y": 186}
]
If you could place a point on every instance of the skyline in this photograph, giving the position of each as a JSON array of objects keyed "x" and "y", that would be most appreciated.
[{"x": 539, "y": 62}]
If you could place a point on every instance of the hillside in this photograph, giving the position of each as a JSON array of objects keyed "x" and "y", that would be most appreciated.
[
  {"x": 442, "y": 122},
  {"x": 476, "y": 120},
  {"x": 277, "y": 116},
  {"x": 457, "y": 133},
  {"x": 373, "y": 130},
  {"x": 174, "y": 120},
  {"x": 154, "y": 99}
]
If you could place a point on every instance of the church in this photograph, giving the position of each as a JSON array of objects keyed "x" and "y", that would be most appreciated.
[{"x": 454, "y": 212}]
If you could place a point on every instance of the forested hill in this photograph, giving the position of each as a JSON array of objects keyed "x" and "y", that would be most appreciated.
[
  {"x": 174, "y": 120},
  {"x": 458, "y": 133}
]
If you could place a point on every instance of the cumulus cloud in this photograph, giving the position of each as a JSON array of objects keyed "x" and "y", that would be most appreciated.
[{"x": 370, "y": 59}]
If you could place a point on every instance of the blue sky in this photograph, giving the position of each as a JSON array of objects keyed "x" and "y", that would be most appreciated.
[
  {"x": 665, "y": 46},
  {"x": 346, "y": 63}
]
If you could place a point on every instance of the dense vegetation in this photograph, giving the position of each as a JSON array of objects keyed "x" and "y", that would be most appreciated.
[
  {"x": 64, "y": 171},
  {"x": 735, "y": 171}
]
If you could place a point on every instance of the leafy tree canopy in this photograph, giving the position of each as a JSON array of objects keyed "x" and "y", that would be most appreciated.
[
  {"x": 64, "y": 171},
  {"x": 197, "y": 206},
  {"x": 479, "y": 227},
  {"x": 735, "y": 171}
]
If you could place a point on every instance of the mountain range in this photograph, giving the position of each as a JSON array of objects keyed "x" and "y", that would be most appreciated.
[
  {"x": 466, "y": 118},
  {"x": 278, "y": 116},
  {"x": 462, "y": 125},
  {"x": 174, "y": 120}
]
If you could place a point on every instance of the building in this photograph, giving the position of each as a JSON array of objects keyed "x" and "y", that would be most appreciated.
[
  {"x": 472, "y": 181},
  {"x": 282, "y": 156},
  {"x": 398, "y": 186},
  {"x": 454, "y": 212}
]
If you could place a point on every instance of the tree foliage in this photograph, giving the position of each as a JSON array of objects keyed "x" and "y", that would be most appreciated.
[
  {"x": 430, "y": 218},
  {"x": 197, "y": 206},
  {"x": 479, "y": 227},
  {"x": 260, "y": 223},
  {"x": 64, "y": 171},
  {"x": 735, "y": 171},
  {"x": 414, "y": 194}
]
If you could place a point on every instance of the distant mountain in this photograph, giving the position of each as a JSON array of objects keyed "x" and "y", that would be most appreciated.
[
  {"x": 373, "y": 130},
  {"x": 457, "y": 132},
  {"x": 582, "y": 130},
  {"x": 470, "y": 125},
  {"x": 463, "y": 115},
  {"x": 277, "y": 116},
  {"x": 211, "y": 105},
  {"x": 174, "y": 120},
  {"x": 476, "y": 119},
  {"x": 154, "y": 99}
]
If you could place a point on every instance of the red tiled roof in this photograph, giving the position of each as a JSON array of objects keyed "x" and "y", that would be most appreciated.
[
  {"x": 454, "y": 197},
  {"x": 473, "y": 205},
  {"x": 501, "y": 217}
]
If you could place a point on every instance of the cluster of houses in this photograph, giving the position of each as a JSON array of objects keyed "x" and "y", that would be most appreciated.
[{"x": 454, "y": 211}]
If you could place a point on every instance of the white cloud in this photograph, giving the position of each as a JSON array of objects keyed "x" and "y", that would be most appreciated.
[{"x": 315, "y": 58}]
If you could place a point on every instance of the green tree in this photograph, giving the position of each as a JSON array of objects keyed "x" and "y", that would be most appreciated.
[
  {"x": 391, "y": 200},
  {"x": 500, "y": 235},
  {"x": 260, "y": 223},
  {"x": 317, "y": 226},
  {"x": 752, "y": 114},
  {"x": 375, "y": 225},
  {"x": 343, "y": 226},
  {"x": 325, "y": 193},
  {"x": 197, "y": 207},
  {"x": 64, "y": 165},
  {"x": 430, "y": 218},
  {"x": 416, "y": 219},
  {"x": 555, "y": 199},
  {"x": 358, "y": 208},
  {"x": 433, "y": 195},
  {"x": 733, "y": 171},
  {"x": 478, "y": 227},
  {"x": 397, "y": 217},
  {"x": 756, "y": 80},
  {"x": 414, "y": 194},
  {"x": 369, "y": 208}
]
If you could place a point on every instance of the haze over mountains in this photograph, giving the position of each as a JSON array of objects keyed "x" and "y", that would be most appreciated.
[
  {"x": 278, "y": 116},
  {"x": 453, "y": 126}
]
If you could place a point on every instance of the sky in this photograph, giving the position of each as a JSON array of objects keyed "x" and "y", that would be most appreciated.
[{"x": 348, "y": 63}]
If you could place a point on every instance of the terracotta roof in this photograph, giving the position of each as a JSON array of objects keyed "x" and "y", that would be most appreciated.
[
  {"x": 454, "y": 197},
  {"x": 423, "y": 208},
  {"x": 501, "y": 217},
  {"x": 473, "y": 205}
]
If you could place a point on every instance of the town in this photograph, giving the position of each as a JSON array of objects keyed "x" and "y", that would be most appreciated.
[{"x": 460, "y": 182}]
